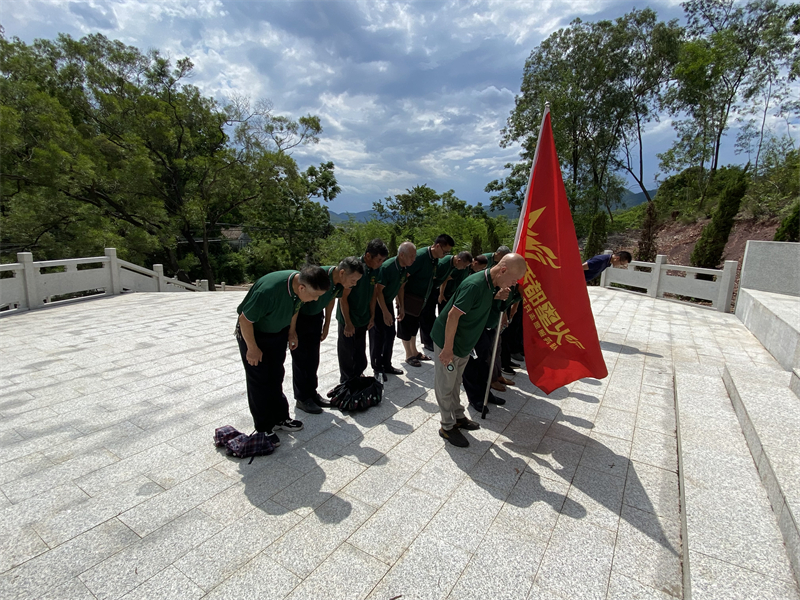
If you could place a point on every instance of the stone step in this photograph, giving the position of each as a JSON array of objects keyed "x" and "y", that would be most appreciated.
[
  {"x": 775, "y": 321},
  {"x": 769, "y": 414},
  {"x": 732, "y": 546}
]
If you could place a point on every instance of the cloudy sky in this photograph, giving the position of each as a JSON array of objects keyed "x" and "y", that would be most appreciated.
[{"x": 408, "y": 93}]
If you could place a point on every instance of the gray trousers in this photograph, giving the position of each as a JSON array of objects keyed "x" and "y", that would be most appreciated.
[{"x": 446, "y": 385}]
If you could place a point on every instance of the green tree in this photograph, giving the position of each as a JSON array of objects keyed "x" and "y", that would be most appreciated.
[
  {"x": 596, "y": 242},
  {"x": 789, "y": 230},
  {"x": 647, "y": 247},
  {"x": 119, "y": 140},
  {"x": 708, "y": 251},
  {"x": 730, "y": 54}
]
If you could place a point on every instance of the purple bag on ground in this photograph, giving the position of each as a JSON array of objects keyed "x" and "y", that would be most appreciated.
[
  {"x": 223, "y": 434},
  {"x": 254, "y": 445}
]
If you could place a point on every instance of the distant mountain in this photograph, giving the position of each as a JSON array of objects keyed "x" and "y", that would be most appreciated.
[
  {"x": 630, "y": 199},
  {"x": 512, "y": 212},
  {"x": 359, "y": 217}
]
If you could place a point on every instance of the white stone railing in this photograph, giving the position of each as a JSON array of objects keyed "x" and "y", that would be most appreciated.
[
  {"x": 659, "y": 278},
  {"x": 30, "y": 288}
]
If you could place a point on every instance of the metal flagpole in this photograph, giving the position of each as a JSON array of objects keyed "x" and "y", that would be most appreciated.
[{"x": 516, "y": 244}]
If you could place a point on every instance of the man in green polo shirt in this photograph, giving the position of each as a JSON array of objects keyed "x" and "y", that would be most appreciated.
[
  {"x": 455, "y": 333},
  {"x": 265, "y": 314},
  {"x": 450, "y": 266},
  {"x": 494, "y": 257},
  {"x": 415, "y": 293},
  {"x": 311, "y": 332},
  {"x": 355, "y": 315},
  {"x": 391, "y": 278}
]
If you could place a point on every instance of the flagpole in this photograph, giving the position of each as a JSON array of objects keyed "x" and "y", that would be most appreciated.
[{"x": 522, "y": 213}]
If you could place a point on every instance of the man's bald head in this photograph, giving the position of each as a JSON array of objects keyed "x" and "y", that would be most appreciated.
[
  {"x": 511, "y": 268},
  {"x": 406, "y": 253}
]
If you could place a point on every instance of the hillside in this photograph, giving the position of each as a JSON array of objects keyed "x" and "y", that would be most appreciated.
[{"x": 676, "y": 240}]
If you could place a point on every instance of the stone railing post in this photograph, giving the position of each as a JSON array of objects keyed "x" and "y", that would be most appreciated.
[
  {"x": 204, "y": 285},
  {"x": 603, "y": 282},
  {"x": 30, "y": 274},
  {"x": 113, "y": 268},
  {"x": 162, "y": 284},
  {"x": 726, "y": 281},
  {"x": 655, "y": 279},
  {"x": 223, "y": 286}
]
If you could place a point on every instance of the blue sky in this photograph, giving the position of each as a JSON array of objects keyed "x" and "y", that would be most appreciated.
[{"x": 408, "y": 93}]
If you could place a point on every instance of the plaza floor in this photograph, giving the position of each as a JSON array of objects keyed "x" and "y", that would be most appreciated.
[{"x": 112, "y": 488}]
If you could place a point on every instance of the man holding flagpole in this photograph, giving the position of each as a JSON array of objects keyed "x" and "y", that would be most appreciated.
[{"x": 455, "y": 333}]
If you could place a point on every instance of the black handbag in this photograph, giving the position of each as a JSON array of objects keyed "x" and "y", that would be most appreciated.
[
  {"x": 413, "y": 304},
  {"x": 357, "y": 394}
]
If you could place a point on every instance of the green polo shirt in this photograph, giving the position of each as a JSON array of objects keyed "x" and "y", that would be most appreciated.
[
  {"x": 474, "y": 298},
  {"x": 391, "y": 276},
  {"x": 456, "y": 277},
  {"x": 359, "y": 298},
  {"x": 421, "y": 272},
  {"x": 490, "y": 257},
  {"x": 500, "y": 306},
  {"x": 445, "y": 267},
  {"x": 318, "y": 305},
  {"x": 271, "y": 302}
]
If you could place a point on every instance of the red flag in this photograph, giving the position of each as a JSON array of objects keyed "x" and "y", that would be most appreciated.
[{"x": 561, "y": 342}]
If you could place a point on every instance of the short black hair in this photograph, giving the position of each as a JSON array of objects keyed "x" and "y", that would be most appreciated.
[
  {"x": 315, "y": 277},
  {"x": 376, "y": 247},
  {"x": 351, "y": 264},
  {"x": 481, "y": 259},
  {"x": 444, "y": 240},
  {"x": 624, "y": 255},
  {"x": 464, "y": 256}
]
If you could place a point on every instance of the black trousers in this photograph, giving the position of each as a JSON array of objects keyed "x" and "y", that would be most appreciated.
[
  {"x": 381, "y": 340},
  {"x": 267, "y": 403},
  {"x": 352, "y": 353},
  {"x": 305, "y": 358},
  {"x": 427, "y": 318},
  {"x": 477, "y": 372}
]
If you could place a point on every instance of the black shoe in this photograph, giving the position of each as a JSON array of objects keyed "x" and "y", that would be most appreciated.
[
  {"x": 479, "y": 407},
  {"x": 274, "y": 439},
  {"x": 454, "y": 436},
  {"x": 513, "y": 365},
  {"x": 308, "y": 406},
  {"x": 467, "y": 424},
  {"x": 495, "y": 400},
  {"x": 390, "y": 370},
  {"x": 322, "y": 402},
  {"x": 509, "y": 371},
  {"x": 290, "y": 425}
]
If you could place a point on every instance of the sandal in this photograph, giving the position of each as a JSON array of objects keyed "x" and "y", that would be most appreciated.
[
  {"x": 414, "y": 361},
  {"x": 422, "y": 356}
]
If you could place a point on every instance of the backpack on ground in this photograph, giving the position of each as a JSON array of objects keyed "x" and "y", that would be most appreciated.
[
  {"x": 357, "y": 394},
  {"x": 241, "y": 445}
]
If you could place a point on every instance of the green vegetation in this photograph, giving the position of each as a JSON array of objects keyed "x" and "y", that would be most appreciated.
[
  {"x": 420, "y": 215},
  {"x": 105, "y": 145},
  {"x": 708, "y": 251},
  {"x": 608, "y": 82}
]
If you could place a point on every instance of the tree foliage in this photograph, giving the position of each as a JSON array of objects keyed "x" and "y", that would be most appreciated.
[
  {"x": 106, "y": 145},
  {"x": 709, "y": 248}
]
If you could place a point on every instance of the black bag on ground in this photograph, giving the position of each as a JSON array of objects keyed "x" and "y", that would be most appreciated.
[{"x": 357, "y": 394}]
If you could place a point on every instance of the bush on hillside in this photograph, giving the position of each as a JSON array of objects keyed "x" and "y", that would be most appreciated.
[
  {"x": 708, "y": 251},
  {"x": 789, "y": 230}
]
